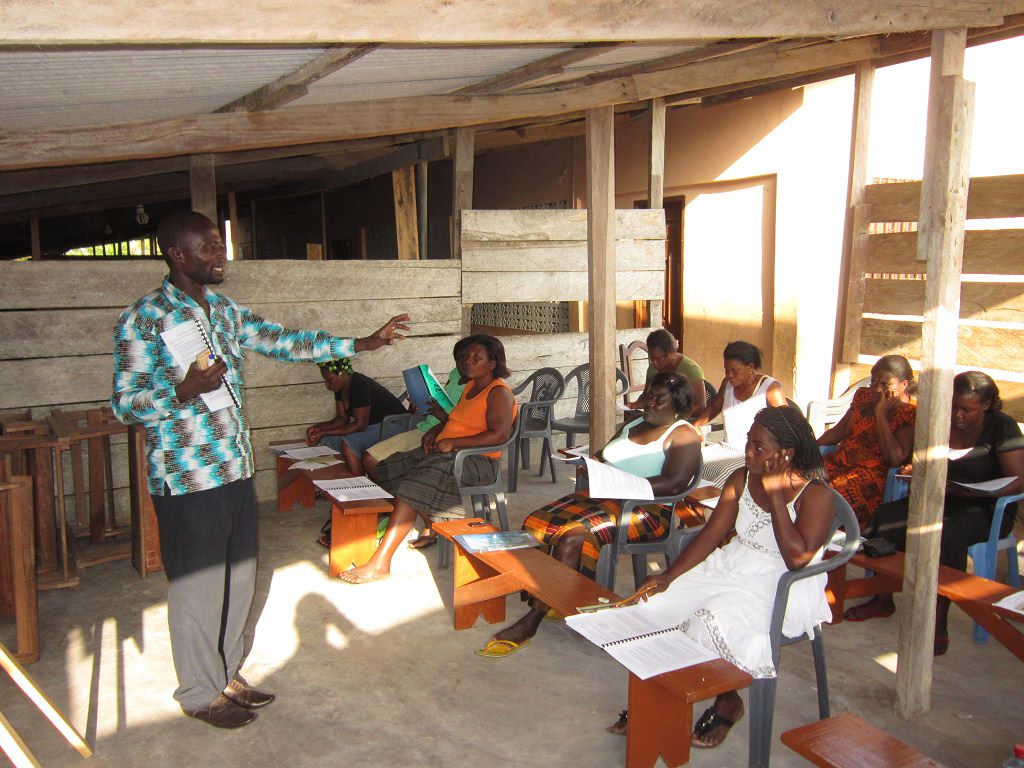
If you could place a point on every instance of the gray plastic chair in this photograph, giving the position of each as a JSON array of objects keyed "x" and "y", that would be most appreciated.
[
  {"x": 483, "y": 499},
  {"x": 547, "y": 384},
  {"x": 397, "y": 423},
  {"x": 669, "y": 545},
  {"x": 579, "y": 423},
  {"x": 762, "y": 691}
]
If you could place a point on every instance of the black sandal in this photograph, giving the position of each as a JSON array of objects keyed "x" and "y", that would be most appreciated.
[
  {"x": 324, "y": 539},
  {"x": 619, "y": 726},
  {"x": 707, "y": 723}
]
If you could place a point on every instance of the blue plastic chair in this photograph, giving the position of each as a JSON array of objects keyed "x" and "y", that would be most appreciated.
[{"x": 984, "y": 553}]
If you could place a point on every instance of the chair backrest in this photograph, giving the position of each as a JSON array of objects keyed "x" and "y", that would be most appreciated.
[
  {"x": 463, "y": 453},
  {"x": 546, "y": 387},
  {"x": 628, "y": 365},
  {"x": 824, "y": 413},
  {"x": 581, "y": 375},
  {"x": 843, "y": 517}
]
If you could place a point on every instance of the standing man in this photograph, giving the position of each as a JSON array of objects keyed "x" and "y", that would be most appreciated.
[{"x": 199, "y": 457}]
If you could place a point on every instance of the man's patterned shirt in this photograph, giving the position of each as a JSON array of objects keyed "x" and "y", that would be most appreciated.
[{"x": 188, "y": 447}]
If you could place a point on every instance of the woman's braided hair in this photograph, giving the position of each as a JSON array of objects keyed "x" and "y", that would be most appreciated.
[{"x": 791, "y": 430}]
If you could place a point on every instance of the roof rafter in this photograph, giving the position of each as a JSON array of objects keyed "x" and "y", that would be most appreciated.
[
  {"x": 30, "y": 22},
  {"x": 296, "y": 84},
  {"x": 536, "y": 70}
]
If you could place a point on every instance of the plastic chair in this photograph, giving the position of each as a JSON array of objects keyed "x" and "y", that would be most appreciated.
[
  {"x": 626, "y": 352},
  {"x": 484, "y": 499},
  {"x": 669, "y": 545},
  {"x": 547, "y": 386},
  {"x": 822, "y": 413},
  {"x": 397, "y": 423},
  {"x": 762, "y": 691},
  {"x": 983, "y": 554},
  {"x": 579, "y": 423}
]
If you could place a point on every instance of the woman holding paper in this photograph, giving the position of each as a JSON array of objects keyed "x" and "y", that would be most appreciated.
[
  {"x": 422, "y": 480},
  {"x": 663, "y": 447},
  {"x": 781, "y": 509},
  {"x": 984, "y": 444}
]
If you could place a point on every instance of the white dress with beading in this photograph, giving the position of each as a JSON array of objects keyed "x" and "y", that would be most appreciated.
[{"x": 725, "y": 603}]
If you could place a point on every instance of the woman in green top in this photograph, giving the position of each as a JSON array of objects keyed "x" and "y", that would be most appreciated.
[{"x": 664, "y": 357}]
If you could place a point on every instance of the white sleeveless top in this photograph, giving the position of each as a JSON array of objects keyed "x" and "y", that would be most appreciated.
[
  {"x": 640, "y": 460},
  {"x": 739, "y": 414}
]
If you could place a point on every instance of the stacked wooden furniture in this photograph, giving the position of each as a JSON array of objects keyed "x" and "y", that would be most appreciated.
[
  {"x": 18, "y": 563},
  {"x": 661, "y": 707}
]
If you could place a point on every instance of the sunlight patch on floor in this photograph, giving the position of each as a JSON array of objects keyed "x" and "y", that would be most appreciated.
[{"x": 887, "y": 660}]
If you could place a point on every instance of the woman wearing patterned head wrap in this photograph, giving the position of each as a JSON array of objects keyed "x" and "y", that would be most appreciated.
[{"x": 361, "y": 405}]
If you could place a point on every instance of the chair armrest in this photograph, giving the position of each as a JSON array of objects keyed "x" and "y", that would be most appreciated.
[{"x": 462, "y": 453}]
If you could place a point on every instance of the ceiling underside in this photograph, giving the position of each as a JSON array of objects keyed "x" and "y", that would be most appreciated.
[{"x": 84, "y": 127}]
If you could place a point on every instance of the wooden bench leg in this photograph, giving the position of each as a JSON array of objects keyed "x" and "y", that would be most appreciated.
[
  {"x": 353, "y": 538},
  {"x": 659, "y": 725},
  {"x": 476, "y": 587},
  {"x": 293, "y": 487}
]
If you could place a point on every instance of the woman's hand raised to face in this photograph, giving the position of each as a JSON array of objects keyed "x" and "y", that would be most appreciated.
[
  {"x": 775, "y": 472},
  {"x": 886, "y": 404}
]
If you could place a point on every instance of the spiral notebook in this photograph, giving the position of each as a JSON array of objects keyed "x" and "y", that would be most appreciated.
[
  {"x": 185, "y": 342},
  {"x": 644, "y": 641}
]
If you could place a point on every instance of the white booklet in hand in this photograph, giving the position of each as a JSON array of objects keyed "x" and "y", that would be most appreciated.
[
  {"x": 641, "y": 640},
  {"x": 607, "y": 482}
]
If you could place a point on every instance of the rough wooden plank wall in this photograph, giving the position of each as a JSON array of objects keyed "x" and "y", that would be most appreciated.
[
  {"x": 986, "y": 252},
  {"x": 989, "y": 197},
  {"x": 542, "y": 255}
]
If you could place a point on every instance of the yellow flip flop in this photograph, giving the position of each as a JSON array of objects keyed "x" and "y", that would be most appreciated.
[{"x": 499, "y": 649}]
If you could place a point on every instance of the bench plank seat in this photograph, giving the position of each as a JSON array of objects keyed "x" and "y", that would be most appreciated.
[
  {"x": 973, "y": 594},
  {"x": 847, "y": 741}
]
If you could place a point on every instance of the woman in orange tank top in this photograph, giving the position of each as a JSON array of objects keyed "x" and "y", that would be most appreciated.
[{"x": 423, "y": 481}]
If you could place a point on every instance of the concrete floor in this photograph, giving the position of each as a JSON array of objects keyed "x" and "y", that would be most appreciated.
[{"x": 375, "y": 676}]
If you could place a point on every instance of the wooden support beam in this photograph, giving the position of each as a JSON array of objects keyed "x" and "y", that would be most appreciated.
[
  {"x": 202, "y": 184},
  {"x": 33, "y": 225},
  {"x": 233, "y": 218},
  {"x": 29, "y": 22},
  {"x": 421, "y": 206},
  {"x": 403, "y": 185},
  {"x": 462, "y": 185},
  {"x": 656, "y": 155},
  {"x": 940, "y": 242},
  {"x": 238, "y": 131},
  {"x": 536, "y": 70},
  {"x": 601, "y": 263},
  {"x": 854, "y": 257},
  {"x": 296, "y": 84}
]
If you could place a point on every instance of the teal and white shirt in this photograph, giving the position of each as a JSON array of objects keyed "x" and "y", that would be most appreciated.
[{"x": 188, "y": 447}]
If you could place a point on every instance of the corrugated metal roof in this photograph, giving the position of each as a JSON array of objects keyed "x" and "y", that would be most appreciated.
[{"x": 54, "y": 89}]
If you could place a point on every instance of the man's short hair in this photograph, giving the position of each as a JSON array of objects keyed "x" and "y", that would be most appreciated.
[{"x": 173, "y": 227}]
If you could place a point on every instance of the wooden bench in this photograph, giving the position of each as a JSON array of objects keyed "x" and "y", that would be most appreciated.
[
  {"x": 354, "y": 532},
  {"x": 973, "y": 594},
  {"x": 846, "y": 741},
  {"x": 295, "y": 486},
  {"x": 18, "y": 564},
  {"x": 661, "y": 707}
]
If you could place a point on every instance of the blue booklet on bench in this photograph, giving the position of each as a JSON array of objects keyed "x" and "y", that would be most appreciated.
[
  {"x": 423, "y": 386},
  {"x": 495, "y": 542}
]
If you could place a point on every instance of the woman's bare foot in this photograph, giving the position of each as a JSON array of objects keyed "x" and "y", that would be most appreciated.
[
  {"x": 523, "y": 629},
  {"x": 877, "y": 607},
  {"x": 714, "y": 725},
  {"x": 364, "y": 574}
]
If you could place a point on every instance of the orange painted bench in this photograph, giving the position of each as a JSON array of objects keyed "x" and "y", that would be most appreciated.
[
  {"x": 295, "y": 486},
  {"x": 354, "y": 532},
  {"x": 661, "y": 707},
  {"x": 847, "y": 741},
  {"x": 974, "y": 594}
]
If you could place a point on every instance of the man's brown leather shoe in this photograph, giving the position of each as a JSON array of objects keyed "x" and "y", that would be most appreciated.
[
  {"x": 244, "y": 695},
  {"x": 222, "y": 713}
]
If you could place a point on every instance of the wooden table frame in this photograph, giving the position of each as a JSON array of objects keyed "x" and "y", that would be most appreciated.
[
  {"x": 973, "y": 594},
  {"x": 17, "y": 530},
  {"x": 660, "y": 708},
  {"x": 295, "y": 486}
]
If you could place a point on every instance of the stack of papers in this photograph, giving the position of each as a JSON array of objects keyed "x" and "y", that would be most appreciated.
[
  {"x": 309, "y": 452},
  {"x": 284, "y": 447}
]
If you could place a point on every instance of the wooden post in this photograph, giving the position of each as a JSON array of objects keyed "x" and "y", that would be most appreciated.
[
  {"x": 940, "y": 241},
  {"x": 656, "y": 156},
  {"x": 851, "y": 269},
  {"x": 462, "y": 199},
  {"x": 404, "y": 188},
  {"x": 421, "y": 206},
  {"x": 33, "y": 225},
  {"x": 202, "y": 184},
  {"x": 233, "y": 217},
  {"x": 601, "y": 262}
]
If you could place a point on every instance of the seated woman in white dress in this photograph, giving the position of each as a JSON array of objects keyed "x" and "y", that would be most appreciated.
[
  {"x": 781, "y": 508},
  {"x": 744, "y": 392}
]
